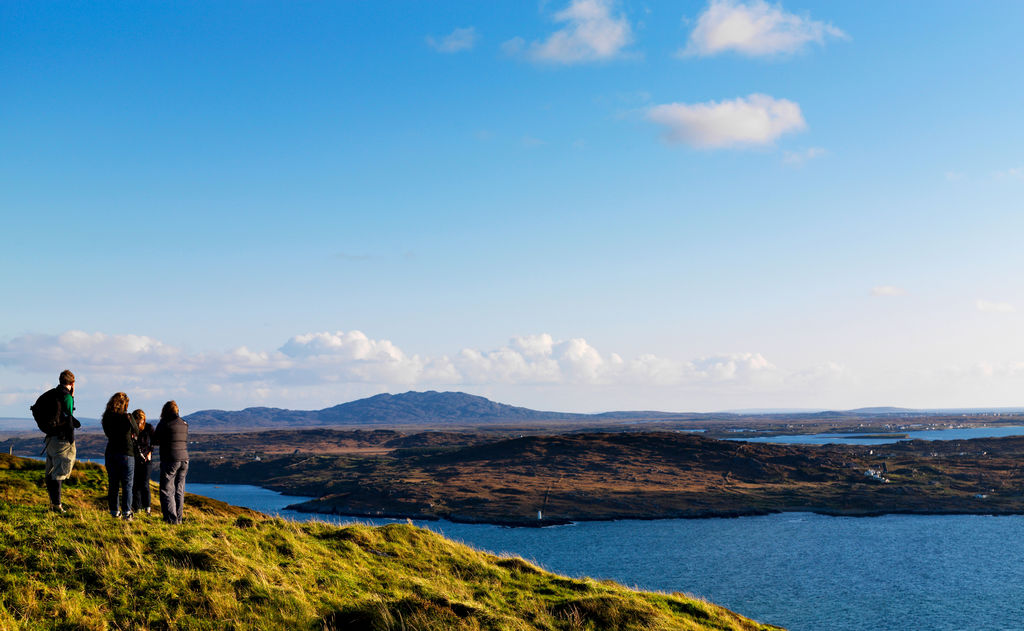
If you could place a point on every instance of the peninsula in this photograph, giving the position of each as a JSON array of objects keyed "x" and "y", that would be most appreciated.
[{"x": 546, "y": 479}]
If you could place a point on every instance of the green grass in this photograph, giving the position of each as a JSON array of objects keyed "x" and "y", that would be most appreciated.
[{"x": 231, "y": 568}]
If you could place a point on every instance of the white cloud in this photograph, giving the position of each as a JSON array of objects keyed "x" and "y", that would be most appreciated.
[
  {"x": 755, "y": 120},
  {"x": 754, "y": 29},
  {"x": 954, "y": 176},
  {"x": 1016, "y": 173},
  {"x": 351, "y": 356},
  {"x": 590, "y": 33},
  {"x": 888, "y": 290},
  {"x": 457, "y": 41},
  {"x": 354, "y": 345},
  {"x": 798, "y": 158},
  {"x": 533, "y": 345},
  {"x": 541, "y": 360},
  {"x": 732, "y": 367},
  {"x": 989, "y": 306},
  {"x": 535, "y": 359},
  {"x": 93, "y": 351},
  {"x": 580, "y": 362}
]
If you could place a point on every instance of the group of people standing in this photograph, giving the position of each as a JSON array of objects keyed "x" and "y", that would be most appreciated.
[
  {"x": 129, "y": 459},
  {"x": 128, "y": 456}
]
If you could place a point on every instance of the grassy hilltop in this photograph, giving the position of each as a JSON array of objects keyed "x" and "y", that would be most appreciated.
[{"x": 229, "y": 567}]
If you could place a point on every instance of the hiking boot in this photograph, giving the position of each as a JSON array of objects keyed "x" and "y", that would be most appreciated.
[
  {"x": 149, "y": 511},
  {"x": 57, "y": 508},
  {"x": 116, "y": 515},
  {"x": 129, "y": 516}
]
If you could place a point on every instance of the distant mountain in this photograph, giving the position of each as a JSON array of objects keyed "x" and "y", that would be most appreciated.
[
  {"x": 766, "y": 411},
  {"x": 253, "y": 418},
  {"x": 410, "y": 408},
  {"x": 438, "y": 409},
  {"x": 416, "y": 407}
]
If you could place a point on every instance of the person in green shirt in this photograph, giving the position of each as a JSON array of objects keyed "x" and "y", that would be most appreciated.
[{"x": 60, "y": 445}]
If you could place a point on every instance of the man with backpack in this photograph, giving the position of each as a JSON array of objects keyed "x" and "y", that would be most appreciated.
[{"x": 54, "y": 414}]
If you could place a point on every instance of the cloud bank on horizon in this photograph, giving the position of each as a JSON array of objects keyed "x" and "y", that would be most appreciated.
[
  {"x": 316, "y": 362},
  {"x": 315, "y": 370},
  {"x": 321, "y": 369}
]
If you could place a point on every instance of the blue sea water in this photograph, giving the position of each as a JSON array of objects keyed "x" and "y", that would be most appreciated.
[
  {"x": 797, "y": 570},
  {"x": 964, "y": 433}
]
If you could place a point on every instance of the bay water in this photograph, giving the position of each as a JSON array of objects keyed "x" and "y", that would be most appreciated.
[
  {"x": 797, "y": 570},
  {"x": 962, "y": 433}
]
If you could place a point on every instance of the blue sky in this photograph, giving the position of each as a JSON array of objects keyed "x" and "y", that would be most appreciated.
[{"x": 575, "y": 205}]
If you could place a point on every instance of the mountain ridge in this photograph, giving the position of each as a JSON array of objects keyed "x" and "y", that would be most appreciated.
[
  {"x": 407, "y": 408},
  {"x": 461, "y": 409}
]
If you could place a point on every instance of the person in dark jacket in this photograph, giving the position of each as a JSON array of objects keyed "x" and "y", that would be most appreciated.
[
  {"x": 141, "y": 499},
  {"x": 60, "y": 444},
  {"x": 172, "y": 436},
  {"x": 120, "y": 454}
]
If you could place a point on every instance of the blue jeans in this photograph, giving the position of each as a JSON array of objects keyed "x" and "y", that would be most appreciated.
[
  {"x": 172, "y": 489},
  {"x": 120, "y": 476}
]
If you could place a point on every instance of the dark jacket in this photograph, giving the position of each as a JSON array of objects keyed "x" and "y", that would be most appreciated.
[
  {"x": 172, "y": 436},
  {"x": 120, "y": 430},
  {"x": 68, "y": 423},
  {"x": 144, "y": 443}
]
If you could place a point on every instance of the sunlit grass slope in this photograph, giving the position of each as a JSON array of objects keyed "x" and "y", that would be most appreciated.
[{"x": 228, "y": 567}]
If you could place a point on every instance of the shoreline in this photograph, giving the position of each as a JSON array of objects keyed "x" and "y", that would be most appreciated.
[
  {"x": 512, "y": 522},
  {"x": 645, "y": 476}
]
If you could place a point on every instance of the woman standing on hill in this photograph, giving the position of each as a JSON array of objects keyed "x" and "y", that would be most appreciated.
[
  {"x": 141, "y": 498},
  {"x": 172, "y": 436},
  {"x": 120, "y": 454}
]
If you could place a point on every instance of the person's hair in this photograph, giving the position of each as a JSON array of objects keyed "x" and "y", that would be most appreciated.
[
  {"x": 139, "y": 417},
  {"x": 118, "y": 404},
  {"x": 67, "y": 378},
  {"x": 170, "y": 411}
]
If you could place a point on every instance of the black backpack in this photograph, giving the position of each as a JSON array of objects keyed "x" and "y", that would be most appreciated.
[{"x": 46, "y": 411}]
